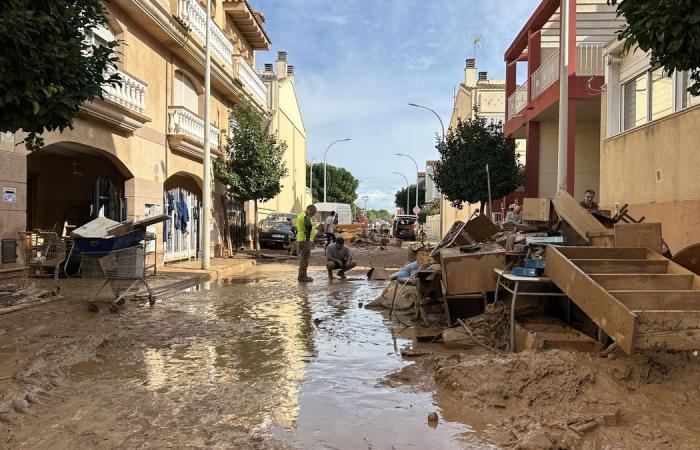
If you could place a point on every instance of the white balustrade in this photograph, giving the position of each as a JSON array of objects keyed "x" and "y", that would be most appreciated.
[
  {"x": 195, "y": 16},
  {"x": 545, "y": 75},
  {"x": 517, "y": 101},
  {"x": 589, "y": 58},
  {"x": 251, "y": 80},
  {"x": 131, "y": 94},
  {"x": 185, "y": 122}
]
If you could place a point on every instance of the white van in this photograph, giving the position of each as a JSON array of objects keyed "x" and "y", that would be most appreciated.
[{"x": 343, "y": 210}]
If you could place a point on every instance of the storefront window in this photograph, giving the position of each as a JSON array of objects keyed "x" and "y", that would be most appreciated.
[
  {"x": 635, "y": 102},
  {"x": 661, "y": 94}
]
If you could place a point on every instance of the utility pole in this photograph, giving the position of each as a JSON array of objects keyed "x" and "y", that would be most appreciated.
[
  {"x": 325, "y": 164},
  {"x": 417, "y": 171},
  {"x": 206, "y": 177},
  {"x": 365, "y": 198},
  {"x": 408, "y": 191},
  {"x": 562, "y": 153}
]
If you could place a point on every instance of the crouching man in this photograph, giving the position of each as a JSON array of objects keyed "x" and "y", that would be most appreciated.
[{"x": 338, "y": 256}]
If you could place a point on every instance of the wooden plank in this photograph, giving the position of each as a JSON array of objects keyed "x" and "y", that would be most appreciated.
[
  {"x": 647, "y": 235},
  {"x": 575, "y": 215},
  {"x": 537, "y": 209},
  {"x": 605, "y": 310},
  {"x": 678, "y": 330},
  {"x": 603, "y": 253},
  {"x": 659, "y": 299},
  {"x": 642, "y": 281},
  {"x": 598, "y": 266},
  {"x": 674, "y": 268}
]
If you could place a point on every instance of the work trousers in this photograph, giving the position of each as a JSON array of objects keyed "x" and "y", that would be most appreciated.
[
  {"x": 305, "y": 254},
  {"x": 330, "y": 238}
]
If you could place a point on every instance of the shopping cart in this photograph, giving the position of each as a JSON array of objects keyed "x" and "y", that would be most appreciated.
[
  {"x": 43, "y": 253},
  {"x": 123, "y": 269}
]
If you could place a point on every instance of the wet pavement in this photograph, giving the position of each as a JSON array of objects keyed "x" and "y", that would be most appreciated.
[{"x": 257, "y": 362}]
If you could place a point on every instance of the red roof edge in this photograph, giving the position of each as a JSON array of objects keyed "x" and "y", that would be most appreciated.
[{"x": 542, "y": 14}]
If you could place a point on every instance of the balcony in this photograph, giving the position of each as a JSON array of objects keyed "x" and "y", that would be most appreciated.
[
  {"x": 251, "y": 81},
  {"x": 517, "y": 101},
  {"x": 194, "y": 17},
  {"x": 545, "y": 75},
  {"x": 186, "y": 132},
  {"x": 124, "y": 106}
]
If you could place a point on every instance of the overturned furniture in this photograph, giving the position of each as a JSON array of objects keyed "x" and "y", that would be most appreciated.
[{"x": 636, "y": 296}]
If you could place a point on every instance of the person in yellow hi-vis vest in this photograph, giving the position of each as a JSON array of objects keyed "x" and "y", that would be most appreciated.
[{"x": 306, "y": 234}]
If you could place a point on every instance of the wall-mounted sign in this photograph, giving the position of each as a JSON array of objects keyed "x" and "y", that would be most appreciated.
[{"x": 9, "y": 194}]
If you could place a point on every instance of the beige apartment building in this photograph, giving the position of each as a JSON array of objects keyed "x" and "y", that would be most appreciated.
[
  {"x": 139, "y": 151},
  {"x": 649, "y": 152},
  {"x": 288, "y": 125}
]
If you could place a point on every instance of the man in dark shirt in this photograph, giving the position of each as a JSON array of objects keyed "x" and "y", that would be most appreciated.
[
  {"x": 588, "y": 201},
  {"x": 338, "y": 256}
]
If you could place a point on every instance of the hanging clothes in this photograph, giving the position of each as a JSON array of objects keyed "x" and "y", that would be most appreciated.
[{"x": 183, "y": 213}]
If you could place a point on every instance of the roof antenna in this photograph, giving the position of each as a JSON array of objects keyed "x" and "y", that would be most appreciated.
[{"x": 476, "y": 42}]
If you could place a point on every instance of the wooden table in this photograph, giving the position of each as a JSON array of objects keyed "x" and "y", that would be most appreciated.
[{"x": 511, "y": 283}]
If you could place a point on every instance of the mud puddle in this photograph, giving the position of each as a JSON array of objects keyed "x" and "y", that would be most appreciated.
[{"x": 260, "y": 363}]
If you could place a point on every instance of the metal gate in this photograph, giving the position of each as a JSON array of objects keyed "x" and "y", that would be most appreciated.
[{"x": 236, "y": 222}]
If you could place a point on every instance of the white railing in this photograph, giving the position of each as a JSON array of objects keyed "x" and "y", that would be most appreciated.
[
  {"x": 545, "y": 75},
  {"x": 251, "y": 80},
  {"x": 131, "y": 94},
  {"x": 517, "y": 101},
  {"x": 185, "y": 122},
  {"x": 589, "y": 58},
  {"x": 194, "y": 16}
]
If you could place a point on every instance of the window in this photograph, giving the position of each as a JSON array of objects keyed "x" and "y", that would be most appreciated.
[
  {"x": 185, "y": 93},
  {"x": 688, "y": 100},
  {"x": 635, "y": 102},
  {"x": 661, "y": 94}
]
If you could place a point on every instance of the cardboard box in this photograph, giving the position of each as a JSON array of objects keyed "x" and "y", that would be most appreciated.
[
  {"x": 470, "y": 273},
  {"x": 537, "y": 209},
  {"x": 550, "y": 333}
]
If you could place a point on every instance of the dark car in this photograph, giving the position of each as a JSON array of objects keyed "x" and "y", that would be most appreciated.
[
  {"x": 405, "y": 227},
  {"x": 278, "y": 230}
]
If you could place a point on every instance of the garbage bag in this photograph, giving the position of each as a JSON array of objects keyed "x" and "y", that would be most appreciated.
[{"x": 406, "y": 296}]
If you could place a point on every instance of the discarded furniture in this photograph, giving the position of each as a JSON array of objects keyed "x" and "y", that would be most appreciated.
[
  {"x": 575, "y": 215},
  {"x": 537, "y": 209},
  {"x": 512, "y": 283},
  {"x": 470, "y": 273},
  {"x": 689, "y": 258},
  {"x": 547, "y": 333},
  {"x": 639, "y": 298}
]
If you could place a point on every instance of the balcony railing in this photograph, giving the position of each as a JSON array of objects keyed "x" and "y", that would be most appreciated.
[
  {"x": 589, "y": 58},
  {"x": 517, "y": 101},
  {"x": 194, "y": 16},
  {"x": 182, "y": 121},
  {"x": 131, "y": 94},
  {"x": 251, "y": 80},
  {"x": 545, "y": 75}
]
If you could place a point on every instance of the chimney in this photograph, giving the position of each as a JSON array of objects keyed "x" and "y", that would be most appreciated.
[
  {"x": 281, "y": 64},
  {"x": 483, "y": 76},
  {"x": 290, "y": 70},
  {"x": 269, "y": 68},
  {"x": 470, "y": 73}
]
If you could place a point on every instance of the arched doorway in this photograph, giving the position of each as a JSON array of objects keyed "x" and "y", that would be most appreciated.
[
  {"x": 69, "y": 184},
  {"x": 182, "y": 201}
]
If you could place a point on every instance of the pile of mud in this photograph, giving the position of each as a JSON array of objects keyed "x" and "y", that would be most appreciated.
[{"x": 561, "y": 400}]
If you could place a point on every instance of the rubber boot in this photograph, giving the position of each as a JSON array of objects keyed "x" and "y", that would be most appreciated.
[{"x": 303, "y": 277}]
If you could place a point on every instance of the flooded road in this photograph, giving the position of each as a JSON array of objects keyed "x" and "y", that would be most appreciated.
[{"x": 261, "y": 362}]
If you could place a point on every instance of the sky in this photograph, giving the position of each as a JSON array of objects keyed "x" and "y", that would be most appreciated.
[{"x": 358, "y": 63}]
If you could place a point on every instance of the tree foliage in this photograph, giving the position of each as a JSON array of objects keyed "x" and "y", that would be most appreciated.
[
  {"x": 400, "y": 197},
  {"x": 254, "y": 167},
  {"x": 669, "y": 29},
  {"x": 376, "y": 214},
  {"x": 341, "y": 184},
  {"x": 460, "y": 174},
  {"x": 47, "y": 68}
]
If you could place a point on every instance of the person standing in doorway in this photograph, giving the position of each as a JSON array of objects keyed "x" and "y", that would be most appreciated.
[
  {"x": 305, "y": 238},
  {"x": 330, "y": 228},
  {"x": 588, "y": 201}
]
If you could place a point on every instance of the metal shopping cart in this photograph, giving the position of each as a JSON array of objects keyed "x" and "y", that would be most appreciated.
[
  {"x": 43, "y": 253},
  {"x": 121, "y": 263}
]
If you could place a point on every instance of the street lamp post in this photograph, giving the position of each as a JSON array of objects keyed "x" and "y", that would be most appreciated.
[
  {"x": 436, "y": 115},
  {"x": 206, "y": 157},
  {"x": 408, "y": 190},
  {"x": 417, "y": 170},
  {"x": 325, "y": 155}
]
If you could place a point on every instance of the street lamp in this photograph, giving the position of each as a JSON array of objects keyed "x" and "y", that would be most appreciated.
[
  {"x": 436, "y": 115},
  {"x": 408, "y": 190},
  {"x": 417, "y": 170},
  {"x": 325, "y": 164}
]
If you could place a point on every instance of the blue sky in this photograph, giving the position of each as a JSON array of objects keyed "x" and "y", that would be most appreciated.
[{"x": 358, "y": 63}]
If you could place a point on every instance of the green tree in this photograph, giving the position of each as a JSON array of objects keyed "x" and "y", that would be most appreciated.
[
  {"x": 668, "y": 29},
  {"x": 254, "y": 166},
  {"x": 342, "y": 185},
  {"x": 47, "y": 68},
  {"x": 460, "y": 174},
  {"x": 377, "y": 214},
  {"x": 400, "y": 197}
]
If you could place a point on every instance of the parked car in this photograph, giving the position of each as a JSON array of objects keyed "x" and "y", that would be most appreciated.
[
  {"x": 278, "y": 230},
  {"x": 405, "y": 227}
]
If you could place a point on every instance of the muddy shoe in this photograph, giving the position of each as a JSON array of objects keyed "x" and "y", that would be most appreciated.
[
  {"x": 341, "y": 274},
  {"x": 305, "y": 279}
]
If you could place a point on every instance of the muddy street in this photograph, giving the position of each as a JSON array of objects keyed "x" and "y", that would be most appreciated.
[{"x": 256, "y": 362}]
